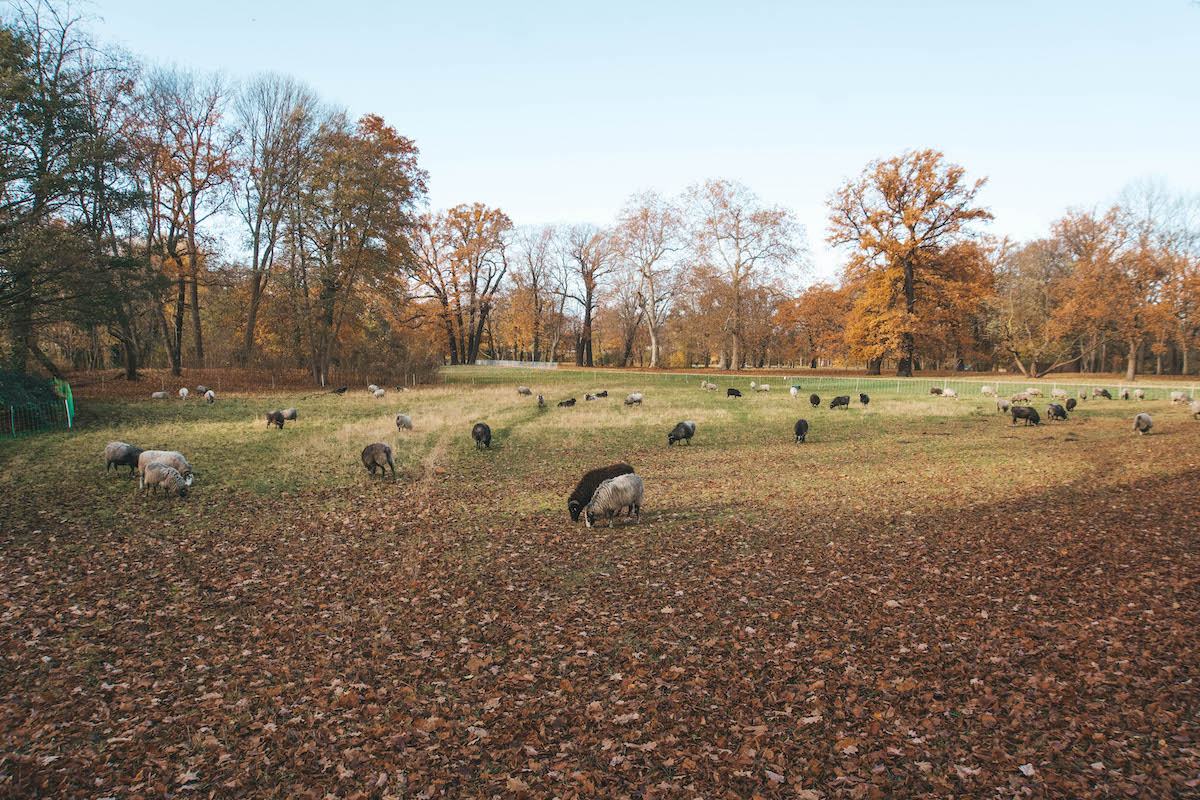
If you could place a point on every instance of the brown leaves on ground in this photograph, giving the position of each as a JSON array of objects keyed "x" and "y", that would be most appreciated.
[{"x": 294, "y": 647}]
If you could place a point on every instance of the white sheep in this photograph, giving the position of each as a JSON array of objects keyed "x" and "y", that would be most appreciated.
[
  {"x": 614, "y": 494},
  {"x": 987, "y": 390},
  {"x": 290, "y": 414},
  {"x": 372, "y": 389},
  {"x": 210, "y": 396},
  {"x": 1032, "y": 392},
  {"x": 1195, "y": 409},
  {"x": 1124, "y": 394},
  {"x": 379, "y": 393},
  {"x": 183, "y": 393},
  {"x": 634, "y": 399},
  {"x": 953, "y": 395},
  {"x": 1139, "y": 394},
  {"x": 158, "y": 396},
  {"x": 1021, "y": 397},
  {"x": 524, "y": 390},
  {"x": 1142, "y": 424},
  {"x": 158, "y": 474},
  {"x": 403, "y": 422},
  {"x": 1083, "y": 394},
  {"x": 170, "y": 458},
  {"x": 1179, "y": 398},
  {"x": 762, "y": 387},
  {"x": 1059, "y": 394},
  {"x": 712, "y": 387},
  {"x": 795, "y": 390}
]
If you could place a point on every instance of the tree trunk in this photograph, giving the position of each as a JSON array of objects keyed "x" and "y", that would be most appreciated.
[
  {"x": 875, "y": 366},
  {"x": 1131, "y": 365},
  {"x": 247, "y": 350}
]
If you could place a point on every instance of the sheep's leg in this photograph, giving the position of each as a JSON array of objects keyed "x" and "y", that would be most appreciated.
[{"x": 637, "y": 508}]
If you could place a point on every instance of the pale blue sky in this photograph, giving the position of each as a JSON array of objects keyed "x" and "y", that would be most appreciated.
[{"x": 559, "y": 111}]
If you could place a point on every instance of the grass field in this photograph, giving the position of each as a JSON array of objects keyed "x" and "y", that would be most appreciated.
[{"x": 919, "y": 601}]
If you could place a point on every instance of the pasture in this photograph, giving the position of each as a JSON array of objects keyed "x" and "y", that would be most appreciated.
[{"x": 922, "y": 600}]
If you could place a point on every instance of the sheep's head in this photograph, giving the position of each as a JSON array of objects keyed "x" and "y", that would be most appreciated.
[
  {"x": 574, "y": 507},
  {"x": 589, "y": 518},
  {"x": 183, "y": 490}
]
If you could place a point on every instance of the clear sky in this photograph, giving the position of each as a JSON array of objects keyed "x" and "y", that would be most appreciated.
[{"x": 557, "y": 112}]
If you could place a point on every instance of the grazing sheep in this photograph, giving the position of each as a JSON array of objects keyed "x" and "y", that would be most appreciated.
[
  {"x": 168, "y": 457},
  {"x": 1142, "y": 424},
  {"x": 634, "y": 399},
  {"x": 201, "y": 390},
  {"x": 275, "y": 418},
  {"x": 524, "y": 390},
  {"x": 340, "y": 391},
  {"x": 731, "y": 392},
  {"x": 953, "y": 395},
  {"x": 1179, "y": 398},
  {"x": 403, "y": 389},
  {"x": 1002, "y": 405},
  {"x": 752, "y": 385},
  {"x": 372, "y": 389},
  {"x": 712, "y": 387},
  {"x": 1055, "y": 411},
  {"x": 159, "y": 396},
  {"x": 762, "y": 387},
  {"x": 615, "y": 494},
  {"x": 1021, "y": 397},
  {"x": 378, "y": 456},
  {"x": 684, "y": 431},
  {"x": 602, "y": 393},
  {"x": 582, "y": 495},
  {"x": 795, "y": 390},
  {"x": 183, "y": 393},
  {"x": 988, "y": 390},
  {"x": 1026, "y": 413},
  {"x": 158, "y": 474},
  {"x": 210, "y": 396},
  {"x": 801, "y": 430},
  {"x": 1032, "y": 392},
  {"x": 1101, "y": 393},
  {"x": 704, "y": 384},
  {"x": 587, "y": 397},
  {"x": 1195, "y": 409},
  {"x": 120, "y": 454},
  {"x": 864, "y": 399},
  {"x": 403, "y": 422},
  {"x": 1059, "y": 394},
  {"x": 1082, "y": 394},
  {"x": 1124, "y": 394},
  {"x": 290, "y": 414},
  {"x": 934, "y": 390},
  {"x": 482, "y": 435},
  {"x": 379, "y": 393},
  {"x": 815, "y": 400},
  {"x": 1139, "y": 394},
  {"x": 567, "y": 403},
  {"x": 1071, "y": 404},
  {"x": 541, "y": 401},
  {"x": 842, "y": 400}
]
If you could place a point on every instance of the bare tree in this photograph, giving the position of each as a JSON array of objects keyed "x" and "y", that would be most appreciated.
[
  {"x": 649, "y": 235},
  {"x": 590, "y": 251}
]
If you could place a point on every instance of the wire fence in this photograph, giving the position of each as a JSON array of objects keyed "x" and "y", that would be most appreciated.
[{"x": 28, "y": 418}]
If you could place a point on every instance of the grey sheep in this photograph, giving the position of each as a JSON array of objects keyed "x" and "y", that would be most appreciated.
[
  {"x": 1055, "y": 411},
  {"x": 582, "y": 495},
  {"x": 864, "y": 399},
  {"x": 1178, "y": 398},
  {"x": 159, "y": 396},
  {"x": 801, "y": 430},
  {"x": 524, "y": 390},
  {"x": 634, "y": 399},
  {"x": 587, "y": 397},
  {"x": 170, "y": 458},
  {"x": 1026, "y": 413},
  {"x": 403, "y": 422},
  {"x": 541, "y": 401},
  {"x": 1002, "y": 405},
  {"x": 482, "y": 435},
  {"x": 1101, "y": 393},
  {"x": 683, "y": 432},
  {"x": 378, "y": 456},
  {"x": 202, "y": 390},
  {"x": 289, "y": 414},
  {"x": 841, "y": 400},
  {"x": 160, "y": 475},
  {"x": 275, "y": 418},
  {"x": 815, "y": 400},
  {"x": 615, "y": 494},
  {"x": 379, "y": 393},
  {"x": 1142, "y": 424},
  {"x": 120, "y": 454}
]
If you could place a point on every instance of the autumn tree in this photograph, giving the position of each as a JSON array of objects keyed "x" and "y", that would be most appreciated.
[
  {"x": 590, "y": 251},
  {"x": 893, "y": 218},
  {"x": 648, "y": 238},
  {"x": 532, "y": 280},
  {"x": 816, "y": 322}
]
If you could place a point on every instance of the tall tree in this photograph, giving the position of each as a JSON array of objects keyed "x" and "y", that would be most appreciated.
[
  {"x": 532, "y": 280},
  {"x": 589, "y": 249},
  {"x": 893, "y": 218},
  {"x": 649, "y": 235}
]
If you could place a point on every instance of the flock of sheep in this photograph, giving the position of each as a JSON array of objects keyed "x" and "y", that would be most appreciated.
[{"x": 1142, "y": 422}]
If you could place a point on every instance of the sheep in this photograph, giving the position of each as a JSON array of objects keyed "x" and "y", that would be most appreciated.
[
  {"x": 1195, "y": 409},
  {"x": 202, "y": 390},
  {"x": 1179, "y": 398},
  {"x": 482, "y": 435},
  {"x": 934, "y": 390},
  {"x": 987, "y": 390},
  {"x": 158, "y": 474},
  {"x": 1055, "y": 411},
  {"x": 623, "y": 491},
  {"x": 843, "y": 400},
  {"x": 1124, "y": 394},
  {"x": 950, "y": 393},
  {"x": 378, "y": 456},
  {"x": 169, "y": 458},
  {"x": 815, "y": 400},
  {"x": 1142, "y": 424},
  {"x": 210, "y": 396},
  {"x": 587, "y": 397},
  {"x": 568, "y": 403},
  {"x": 1026, "y": 413},
  {"x": 340, "y": 391},
  {"x": 684, "y": 431},
  {"x": 524, "y": 390},
  {"x": 372, "y": 389},
  {"x": 1139, "y": 394},
  {"x": 541, "y": 401},
  {"x": 752, "y": 385},
  {"x": 158, "y": 396},
  {"x": 795, "y": 390},
  {"x": 1071, "y": 404},
  {"x": 1059, "y": 394},
  {"x": 704, "y": 384},
  {"x": 403, "y": 389},
  {"x": 379, "y": 393},
  {"x": 1002, "y": 405},
  {"x": 1021, "y": 397},
  {"x": 762, "y": 387},
  {"x": 119, "y": 454},
  {"x": 1082, "y": 395},
  {"x": 290, "y": 414},
  {"x": 1032, "y": 392},
  {"x": 582, "y": 495},
  {"x": 183, "y": 393},
  {"x": 275, "y": 418},
  {"x": 403, "y": 422},
  {"x": 731, "y": 392},
  {"x": 1101, "y": 393},
  {"x": 602, "y": 393},
  {"x": 634, "y": 399},
  {"x": 864, "y": 399},
  {"x": 801, "y": 430},
  {"x": 712, "y": 387}
]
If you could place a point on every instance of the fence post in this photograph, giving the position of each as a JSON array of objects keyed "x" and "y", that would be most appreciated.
[{"x": 12, "y": 420}]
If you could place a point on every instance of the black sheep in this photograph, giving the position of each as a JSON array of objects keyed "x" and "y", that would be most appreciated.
[
  {"x": 864, "y": 399},
  {"x": 587, "y": 487},
  {"x": 801, "y": 429},
  {"x": 1055, "y": 411},
  {"x": 842, "y": 400},
  {"x": 1071, "y": 404},
  {"x": 815, "y": 400},
  {"x": 602, "y": 394},
  {"x": 567, "y": 403},
  {"x": 482, "y": 435},
  {"x": 338, "y": 391},
  {"x": 275, "y": 418},
  {"x": 1026, "y": 413},
  {"x": 732, "y": 393},
  {"x": 935, "y": 390}
]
